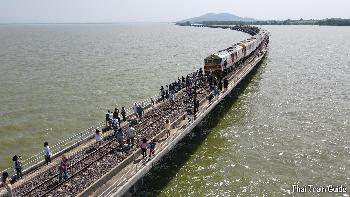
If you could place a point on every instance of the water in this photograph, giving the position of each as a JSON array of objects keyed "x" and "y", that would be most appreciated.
[
  {"x": 57, "y": 80},
  {"x": 288, "y": 125}
]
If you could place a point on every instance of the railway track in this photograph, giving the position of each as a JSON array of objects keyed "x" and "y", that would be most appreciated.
[
  {"x": 97, "y": 169},
  {"x": 90, "y": 163}
]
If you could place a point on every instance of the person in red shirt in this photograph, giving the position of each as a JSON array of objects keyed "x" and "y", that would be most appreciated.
[{"x": 144, "y": 146}]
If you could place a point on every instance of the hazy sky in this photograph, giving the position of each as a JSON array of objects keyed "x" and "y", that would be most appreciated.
[{"x": 164, "y": 10}]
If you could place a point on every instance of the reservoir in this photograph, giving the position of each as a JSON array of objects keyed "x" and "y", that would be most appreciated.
[{"x": 288, "y": 126}]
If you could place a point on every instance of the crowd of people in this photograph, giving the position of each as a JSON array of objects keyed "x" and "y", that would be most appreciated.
[
  {"x": 192, "y": 85},
  {"x": 193, "y": 88}
]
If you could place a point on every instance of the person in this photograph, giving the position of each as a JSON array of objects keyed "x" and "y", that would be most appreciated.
[
  {"x": 167, "y": 127},
  {"x": 98, "y": 137},
  {"x": 170, "y": 88},
  {"x": 108, "y": 117},
  {"x": 216, "y": 91},
  {"x": 166, "y": 92},
  {"x": 116, "y": 114},
  {"x": 189, "y": 113},
  {"x": 48, "y": 153},
  {"x": 123, "y": 113},
  {"x": 152, "y": 147},
  {"x": 225, "y": 83},
  {"x": 139, "y": 111},
  {"x": 116, "y": 124},
  {"x": 220, "y": 85},
  {"x": 210, "y": 97},
  {"x": 17, "y": 165},
  {"x": 120, "y": 137},
  {"x": 144, "y": 146},
  {"x": 172, "y": 98},
  {"x": 187, "y": 81},
  {"x": 63, "y": 168},
  {"x": 135, "y": 109},
  {"x": 6, "y": 182},
  {"x": 131, "y": 135},
  {"x": 196, "y": 106},
  {"x": 162, "y": 92}
]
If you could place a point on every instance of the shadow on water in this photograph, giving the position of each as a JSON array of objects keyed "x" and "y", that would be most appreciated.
[{"x": 162, "y": 173}]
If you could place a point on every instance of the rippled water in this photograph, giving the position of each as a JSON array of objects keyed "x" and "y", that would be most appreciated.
[
  {"x": 57, "y": 80},
  {"x": 288, "y": 125}
]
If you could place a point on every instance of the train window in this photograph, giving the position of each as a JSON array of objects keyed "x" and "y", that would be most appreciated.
[
  {"x": 216, "y": 61},
  {"x": 212, "y": 61}
]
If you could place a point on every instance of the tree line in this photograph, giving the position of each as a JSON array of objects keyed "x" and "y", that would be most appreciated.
[{"x": 324, "y": 22}]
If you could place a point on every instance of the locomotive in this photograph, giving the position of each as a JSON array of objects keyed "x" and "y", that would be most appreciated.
[{"x": 227, "y": 58}]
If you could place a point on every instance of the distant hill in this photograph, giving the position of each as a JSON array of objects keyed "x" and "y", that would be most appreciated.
[{"x": 217, "y": 17}]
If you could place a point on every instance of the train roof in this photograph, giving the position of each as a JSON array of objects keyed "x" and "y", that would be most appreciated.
[
  {"x": 248, "y": 40},
  {"x": 228, "y": 51},
  {"x": 236, "y": 47}
]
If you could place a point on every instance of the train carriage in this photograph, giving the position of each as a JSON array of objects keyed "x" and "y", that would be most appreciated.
[{"x": 227, "y": 58}]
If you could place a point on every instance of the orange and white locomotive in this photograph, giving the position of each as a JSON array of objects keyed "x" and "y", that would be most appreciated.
[{"x": 227, "y": 58}]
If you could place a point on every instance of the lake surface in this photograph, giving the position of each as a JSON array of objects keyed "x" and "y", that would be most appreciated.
[
  {"x": 57, "y": 80},
  {"x": 288, "y": 125}
]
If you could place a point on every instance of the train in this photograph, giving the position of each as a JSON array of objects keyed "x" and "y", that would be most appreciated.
[{"x": 227, "y": 58}]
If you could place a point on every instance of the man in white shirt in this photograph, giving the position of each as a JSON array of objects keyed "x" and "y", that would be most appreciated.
[
  {"x": 109, "y": 117},
  {"x": 135, "y": 108},
  {"x": 172, "y": 98},
  {"x": 48, "y": 153},
  {"x": 98, "y": 137},
  {"x": 115, "y": 124},
  {"x": 131, "y": 136}
]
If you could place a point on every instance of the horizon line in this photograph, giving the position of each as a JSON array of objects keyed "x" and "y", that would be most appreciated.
[
  {"x": 53, "y": 23},
  {"x": 125, "y": 22}
]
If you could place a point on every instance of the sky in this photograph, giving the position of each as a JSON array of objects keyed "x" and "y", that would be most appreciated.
[{"x": 95, "y": 11}]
